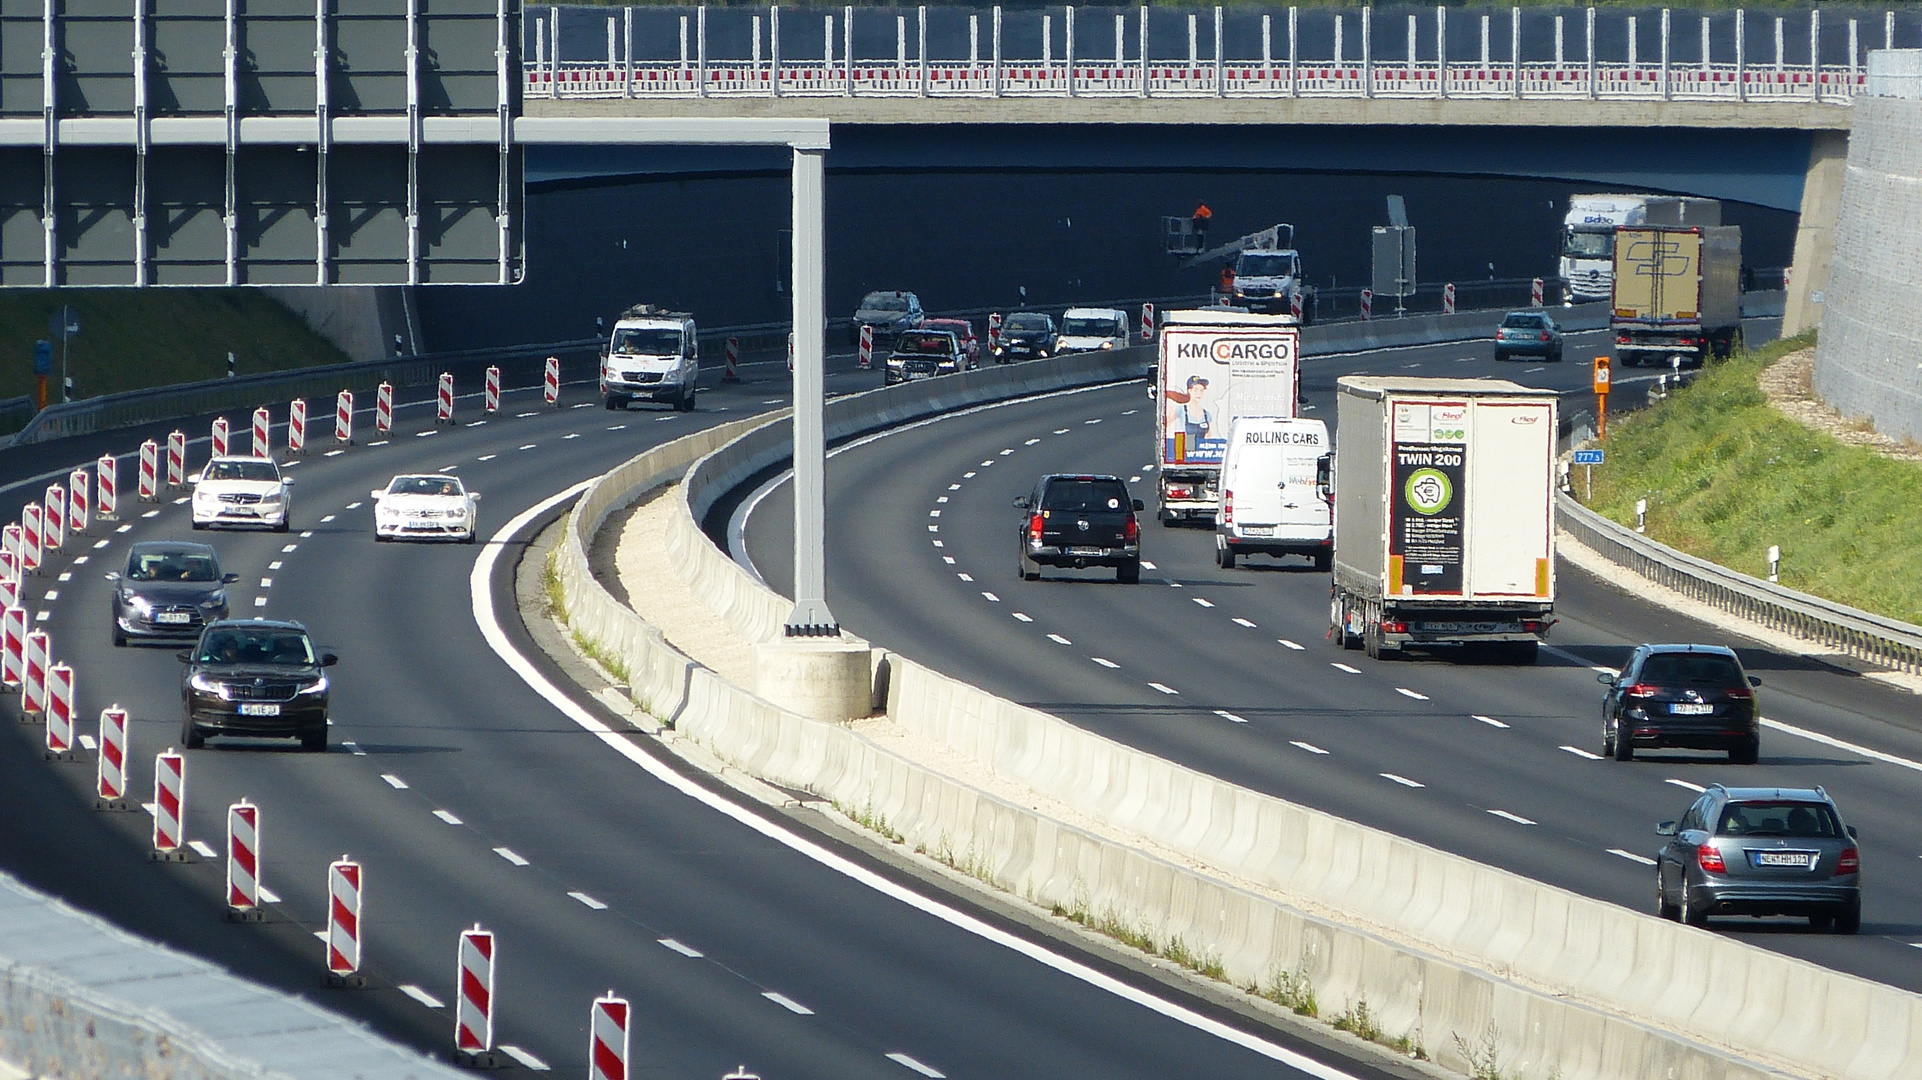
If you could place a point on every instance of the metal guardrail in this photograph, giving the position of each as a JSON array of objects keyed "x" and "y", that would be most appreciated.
[{"x": 1850, "y": 631}]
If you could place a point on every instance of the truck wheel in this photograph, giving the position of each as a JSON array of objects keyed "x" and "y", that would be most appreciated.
[
  {"x": 1024, "y": 570},
  {"x": 1324, "y": 561},
  {"x": 616, "y": 404},
  {"x": 1128, "y": 573},
  {"x": 1524, "y": 652},
  {"x": 1224, "y": 555},
  {"x": 1624, "y": 747}
]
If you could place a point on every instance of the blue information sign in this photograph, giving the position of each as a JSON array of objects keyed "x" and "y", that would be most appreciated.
[
  {"x": 43, "y": 357},
  {"x": 1588, "y": 457}
]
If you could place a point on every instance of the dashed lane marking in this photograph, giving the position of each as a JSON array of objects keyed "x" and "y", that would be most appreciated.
[
  {"x": 1146, "y": 565},
  {"x": 326, "y": 519},
  {"x": 1680, "y": 783},
  {"x": 151, "y": 514},
  {"x": 1284, "y": 641},
  {"x": 1231, "y": 717},
  {"x": 1406, "y": 692},
  {"x": 288, "y": 549},
  {"x": 87, "y": 743},
  {"x": 260, "y": 601},
  {"x": 1164, "y": 688},
  {"x": 201, "y": 847},
  {"x": 1516, "y": 818},
  {"x": 787, "y": 1003},
  {"x": 991, "y": 598},
  {"x": 526, "y": 1059},
  {"x": 486, "y": 457},
  {"x": 530, "y": 446},
  {"x": 448, "y": 816},
  {"x": 1581, "y": 753},
  {"x": 511, "y": 856},
  {"x": 125, "y": 528},
  {"x": 334, "y": 453},
  {"x": 987, "y": 463},
  {"x": 588, "y": 901},
  {"x": 1134, "y": 479},
  {"x": 1402, "y": 780},
  {"x": 934, "y": 513},
  {"x": 52, "y": 595},
  {"x": 525, "y": 415},
  {"x": 1203, "y": 601},
  {"x": 1244, "y": 622},
  {"x": 570, "y": 435},
  {"x": 1104, "y": 661},
  {"x": 353, "y": 748},
  {"x": 928, "y": 1071},
  {"x": 98, "y": 544},
  {"x": 1059, "y": 640},
  {"x": 949, "y": 559},
  {"x": 266, "y": 583},
  {"x": 1345, "y": 667},
  {"x": 1489, "y": 720},
  {"x": 275, "y": 565},
  {"x": 942, "y": 499},
  {"x": 421, "y": 996},
  {"x": 1096, "y": 420},
  {"x": 1631, "y": 856},
  {"x": 268, "y": 896},
  {"x": 394, "y": 782},
  {"x": 1062, "y": 431},
  {"x": 1022, "y": 616},
  {"x": 1310, "y": 747},
  {"x": 42, "y": 616},
  {"x": 426, "y": 434},
  {"x": 965, "y": 577},
  {"x": 954, "y": 487},
  {"x": 382, "y": 442},
  {"x": 967, "y": 475},
  {"x": 684, "y": 950},
  {"x": 306, "y": 534},
  {"x": 67, "y": 575},
  {"x": 1030, "y": 442}
]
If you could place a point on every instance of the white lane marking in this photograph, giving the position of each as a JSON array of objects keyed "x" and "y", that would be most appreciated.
[
  {"x": 684, "y": 950},
  {"x": 87, "y": 743},
  {"x": 1164, "y": 688},
  {"x": 942, "y": 499},
  {"x": 1402, "y": 780},
  {"x": 934, "y": 528},
  {"x": 1203, "y": 601},
  {"x": 967, "y": 476},
  {"x": 1310, "y": 747},
  {"x": 1023, "y": 616},
  {"x": 530, "y": 446},
  {"x": 448, "y": 816},
  {"x": 1146, "y": 565},
  {"x": 1030, "y": 442},
  {"x": 1531, "y": 371},
  {"x": 954, "y": 487},
  {"x": 321, "y": 934},
  {"x": 571, "y": 435},
  {"x": 582, "y": 405},
  {"x": 1129, "y": 412},
  {"x": 260, "y": 601},
  {"x": 987, "y": 463},
  {"x": 949, "y": 559},
  {"x": 525, "y": 415},
  {"x": 275, "y": 565},
  {"x": 1006, "y": 452},
  {"x": 1104, "y": 661},
  {"x": 1174, "y": 584},
  {"x": 382, "y": 442},
  {"x": 1516, "y": 818},
  {"x": 125, "y": 528},
  {"x": 1489, "y": 720},
  {"x": 1839, "y": 744},
  {"x": 353, "y": 748},
  {"x": 934, "y": 513},
  {"x": 787, "y": 1003},
  {"x": 588, "y": 901},
  {"x": 525, "y": 1058},
  {"x": 1134, "y": 479},
  {"x": 928, "y": 1071},
  {"x": 1228, "y": 716},
  {"x": 1284, "y": 641},
  {"x": 324, "y": 520},
  {"x": 426, "y": 434},
  {"x": 992, "y": 599},
  {"x": 481, "y": 599},
  {"x": 288, "y": 549},
  {"x": 334, "y": 453},
  {"x": 1406, "y": 692},
  {"x": 394, "y": 782},
  {"x": 1680, "y": 783},
  {"x": 268, "y": 896},
  {"x": 78, "y": 561},
  {"x": 1581, "y": 753},
  {"x": 511, "y": 856},
  {"x": 1244, "y": 622},
  {"x": 1631, "y": 856},
  {"x": 939, "y": 543},
  {"x": 487, "y": 457},
  {"x": 67, "y": 575},
  {"x": 1062, "y": 431},
  {"x": 773, "y": 401},
  {"x": 151, "y": 514},
  {"x": 965, "y": 577},
  {"x": 98, "y": 544},
  {"x": 148, "y": 807},
  {"x": 52, "y": 595},
  {"x": 41, "y": 616},
  {"x": 418, "y": 994},
  {"x": 1096, "y": 420},
  {"x": 266, "y": 583},
  {"x": 1345, "y": 667},
  {"x": 201, "y": 847},
  {"x": 1059, "y": 640}
]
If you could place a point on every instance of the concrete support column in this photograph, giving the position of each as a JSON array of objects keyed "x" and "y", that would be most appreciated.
[{"x": 1815, "y": 233}]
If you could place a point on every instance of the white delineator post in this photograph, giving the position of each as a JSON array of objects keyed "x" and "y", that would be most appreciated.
[
  {"x": 1448, "y": 299},
  {"x": 607, "y": 1038},
  {"x": 383, "y": 408},
  {"x": 810, "y": 617},
  {"x": 263, "y": 433},
  {"x": 218, "y": 436},
  {"x": 344, "y": 417},
  {"x": 474, "y": 997},
  {"x": 176, "y": 458},
  {"x": 865, "y": 359},
  {"x": 33, "y": 695},
  {"x": 169, "y": 806},
  {"x": 551, "y": 380},
  {"x": 59, "y": 713},
  {"x": 343, "y": 923},
  {"x": 491, "y": 399},
  {"x": 1368, "y": 303},
  {"x": 243, "y": 862},
  {"x": 444, "y": 403},
  {"x": 1147, "y": 322},
  {"x": 13, "y": 639},
  {"x": 107, "y": 506},
  {"x": 297, "y": 426},
  {"x": 110, "y": 778},
  {"x": 79, "y": 500}
]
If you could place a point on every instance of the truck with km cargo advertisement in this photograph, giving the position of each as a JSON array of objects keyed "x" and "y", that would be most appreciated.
[
  {"x": 1444, "y": 517},
  {"x": 1678, "y": 293},
  {"x": 1217, "y": 365}
]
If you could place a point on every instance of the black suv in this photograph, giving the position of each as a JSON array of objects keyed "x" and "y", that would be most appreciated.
[
  {"x": 923, "y": 354},
  {"x": 1761, "y": 851},
  {"x": 1026, "y": 335},
  {"x": 1692, "y": 697},
  {"x": 1080, "y": 521},
  {"x": 255, "y": 678}
]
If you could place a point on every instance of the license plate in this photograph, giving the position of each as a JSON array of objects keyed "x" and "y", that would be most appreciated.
[
  {"x": 1468, "y": 627},
  {"x": 1800, "y": 860},
  {"x": 173, "y": 617},
  {"x": 1257, "y": 530},
  {"x": 1691, "y": 710},
  {"x": 1087, "y": 551},
  {"x": 254, "y": 708}
]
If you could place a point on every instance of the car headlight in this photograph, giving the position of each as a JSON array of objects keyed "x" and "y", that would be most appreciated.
[
  {"x": 215, "y": 599},
  {"x": 318, "y": 686},
  {"x": 1107, "y": 345},
  {"x": 138, "y": 602},
  {"x": 273, "y": 497},
  {"x": 207, "y": 685}
]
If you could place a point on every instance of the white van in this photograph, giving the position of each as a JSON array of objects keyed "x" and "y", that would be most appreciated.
[
  {"x": 652, "y": 355},
  {"x": 1270, "y": 504},
  {"x": 1093, "y": 329}
]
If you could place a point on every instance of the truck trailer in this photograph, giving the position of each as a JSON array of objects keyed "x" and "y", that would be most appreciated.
[
  {"x": 1587, "y": 266},
  {"x": 1217, "y": 365},
  {"x": 1678, "y": 293},
  {"x": 1444, "y": 516}
]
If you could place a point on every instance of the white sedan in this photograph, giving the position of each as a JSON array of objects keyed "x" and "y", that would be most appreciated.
[
  {"x": 425, "y": 505},
  {"x": 236, "y": 490}
]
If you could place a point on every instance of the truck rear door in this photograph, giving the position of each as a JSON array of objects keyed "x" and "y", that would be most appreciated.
[
  {"x": 1658, "y": 275},
  {"x": 1510, "y": 513}
]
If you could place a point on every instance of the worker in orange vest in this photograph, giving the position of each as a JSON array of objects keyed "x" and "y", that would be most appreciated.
[
  {"x": 1201, "y": 217},
  {"x": 1227, "y": 279}
]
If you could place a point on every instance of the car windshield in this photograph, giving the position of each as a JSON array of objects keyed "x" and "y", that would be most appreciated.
[
  {"x": 1588, "y": 245},
  {"x": 646, "y": 341},
  {"x": 172, "y": 566},
  {"x": 254, "y": 645},
  {"x": 1811, "y": 820},
  {"x": 1079, "y": 496},
  {"x": 1087, "y": 328},
  {"x": 243, "y": 470},
  {"x": 1027, "y": 321},
  {"x": 1691, "y": 669},
  {"x": 876, "y": 301},
  {"x": 1524, "y": 322},
  {"x": 1264, "y": 264},
  {"x": 425, "y": 485},
  {"x": 925, "y": 344}
]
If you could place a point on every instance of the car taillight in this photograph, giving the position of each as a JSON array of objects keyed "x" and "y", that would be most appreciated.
[
  {"x": 1180, "y": 492},
  {"x": 1621, "y": 339},
  {"x": 1641, "y": 690},
  {"x": 1034, "y": 528},
  {"x": 1391, "y": 626},
  {"x": 1849, "y": 863},
  {"x": 1534, "y": 626},
  {"x": 1130, "y": 530},
  {"x": 1740, "y": 693},
  {"x": 1710, "y": 860},
  {"x": 1228, "y": 507},
  {"x": 1544, "y": 335}
]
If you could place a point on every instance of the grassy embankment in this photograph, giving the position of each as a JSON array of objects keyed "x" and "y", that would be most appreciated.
[{"x": 1726, "y": 476}]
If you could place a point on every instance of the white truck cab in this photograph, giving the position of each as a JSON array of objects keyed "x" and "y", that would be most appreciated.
[
  {"x": 653, "y": 355},
  {"x": 1093, "y": 329},
  {"x": 1270, "y": 501}
]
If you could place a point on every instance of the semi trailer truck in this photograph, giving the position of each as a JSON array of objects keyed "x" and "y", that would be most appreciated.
[
  {"x": 1587, "y": 266},
  {"x": 1677, "y": 293},
  {"x": 1217, "y": 365}
]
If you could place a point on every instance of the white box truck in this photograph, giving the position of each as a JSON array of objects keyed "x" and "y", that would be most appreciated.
[
  {"x": 1217, "y": 365},
  {"x": 1678, "y": 294},
  {"x": 1271, "y": 501},
  {"x": 1444, "y": 516}
]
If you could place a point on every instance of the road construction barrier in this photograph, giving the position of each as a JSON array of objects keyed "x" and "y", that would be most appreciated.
[
  {"x": 551, "y": 380},
  {"x": 176, "y": 459},
  {"x": 1147, "y": 322},
  {"x": 994, "y": 325},
  {"x": 1368, "y": 303},
  {"x": 1294, "y": 303},
  {"x": 491, "y": 400},
  {"x": 30, "y": 516},
  {"x": 243, "y": 862},
  {"x": 344, "y": 417},
  {"x": 79, "y": 486},
  {"x": 149, "y": 484},
  {"x": 13, "y": 646},
  {"x": 866, "y": 359},
  {"x": 263, "y": 433},
  {"x": 53, "y": 527},
  {"x": 108, "y": 504},
  {"x": 474, "y": 996},
  {"x": 297, "y": 426},
  {"x": 1535, "y": 293},
  {"x": 110, "y": 775},
  {"x": 219, "y": 435},
  {"x": 33, "y": 681},
  {"x": 9, "y": 579},
  {"x": 1448, "y": 299},
  {"x": 343, "y": 922},
  {"x": 732, "y": 353},
  {"x": 444, "y": 408},
  {"x": 607, "y": 1038},
  {"x": 169, "y": 804},
  {"x": 383, "y": 408},
  {"x": 59, "y": 713}
]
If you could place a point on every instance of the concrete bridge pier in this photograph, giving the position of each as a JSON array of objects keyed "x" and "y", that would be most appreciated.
[{"x": 1815, "y": 233}]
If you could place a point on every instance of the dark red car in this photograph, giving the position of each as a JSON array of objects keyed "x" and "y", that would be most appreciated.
[{"x": 963, "y": 330}]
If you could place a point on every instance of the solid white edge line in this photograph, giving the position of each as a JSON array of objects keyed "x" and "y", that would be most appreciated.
[
  {"x": 484, "y": 616},
  {"x": 1840, "y": 744}
]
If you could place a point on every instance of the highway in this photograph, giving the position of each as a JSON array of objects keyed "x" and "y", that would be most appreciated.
[
  {"x": 1230, "y": 672},
  {"x": 477, "y": 785}
]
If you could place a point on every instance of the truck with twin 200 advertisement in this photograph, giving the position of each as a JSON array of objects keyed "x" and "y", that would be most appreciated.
[
  {"x": 1217, "y": 365},
  {"x": 1444, "y": 517}
]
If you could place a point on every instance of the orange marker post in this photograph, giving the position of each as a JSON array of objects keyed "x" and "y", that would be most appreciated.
[{"x": 1601, "y": 397}]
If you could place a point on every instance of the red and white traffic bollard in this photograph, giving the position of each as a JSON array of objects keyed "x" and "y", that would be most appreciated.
[
  {"x": 169, "y": 806},
  {"x": 994, "y": 329},
  {"x": 176, "y": 458},
  {"x": 732, "y": 373},
  {"x": 474, "y": 993},
  {"x": 79, "y": 484},
  {"x": 866, "y": 359},
  {"x": 607, "y": 1039},
  {"x": 343, "y": 923},
  {"x": 344, "y": 417},
  {"x": 263, "y": 433},
  {"x": 444, "y": 405},
  {"x": 243, "y": 862},
  {"x": 1147, "y": 322},
  {"x": 492, "y": 400},
  {"x": 30, "y": 515},
  {"x": 53, "y": 530},
  {"x": 33, "y": 683},
  {"x": 150, "y": 471},
  {"x": 13, "y": 646},
  {"x": 1448, "y": 299},
  {"x": 1294, "y": 304},
  {"x": 59, "y": 713},
  {"x": 551, "y": 380},
  {"x": 108, "y": 468},
  {"x": 1535, "y": 293},
  {"x": 110, "y": 778},
  {"x": 297, "y": 426},
  {"x": 383, "y": 408},
  {"x": 219, "y": 436},
  {"x": 9, "y": 579},
  {"x": 1368, "y": 303}
]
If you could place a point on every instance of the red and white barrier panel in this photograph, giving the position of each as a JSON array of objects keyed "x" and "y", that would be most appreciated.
[
  {"x": 492, "y": 398},
  {"x": 474, "y": 994},
  {"x": 12, "y": 538},
  {"x": 343, "y": 923},
  {"x": 1368, "y": 303},
  {"x": 1147, "y": 322},
  {"x": 219, "y": 436},
  {"x": 297, "y": 426},
  {"x": 732, "y": 373},
  {"x": 551, "y": 380},
  {"x": 1294, "y": 304},
  {"x": 30, "y": 516},
  {"x": 108, "y": 505},
  {"x": 150, "y": 471},
  {"x": 110, "y": 778},
  {"x": 53, "y": 528},
  {"x": 263, "y": 433},
  {"x": 79, "y": 500},
  {"x": 344, "y": 417},
  {"x": 243, "y": 862},
  {"x": 1535, "y": 293},
  {"x": 383, "y": 408},
  {"x": 176, "y": 458},
  {"x": 994, "y": 327},
  {"x": 13, "y": 646},
  {"x": 9, "y": 579},
  {"x": 444, "y": 402},
  {"x": 607, "y": 1039},
  {"x": 1448, "y": 299},
  {"x": 59, "y": 713},
  {"x": 866, "y": 360},
  {"x": 169, "y": 806}
]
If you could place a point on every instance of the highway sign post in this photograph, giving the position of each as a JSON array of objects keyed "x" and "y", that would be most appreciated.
[
  {"x": 42, "y": 367},
  {"x": 65, "y": 323},
  {"x": 1588, "y": 459}
]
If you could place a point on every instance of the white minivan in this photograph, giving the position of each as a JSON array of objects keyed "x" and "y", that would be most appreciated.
[
  {"x": 1093, "y": 329},
  {"x": 1270, "y": 502}
]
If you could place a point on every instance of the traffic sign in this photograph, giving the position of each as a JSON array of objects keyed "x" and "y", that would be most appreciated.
[
  {"x": 1588, "y": 457},
  {"x": 43, "y": 357},
  {"x": 64, "y": 322}
]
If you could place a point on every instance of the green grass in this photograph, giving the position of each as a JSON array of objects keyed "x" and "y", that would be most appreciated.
[
  {"x": 1726, "y": 476},
  {"x": 131, "y": 339}
]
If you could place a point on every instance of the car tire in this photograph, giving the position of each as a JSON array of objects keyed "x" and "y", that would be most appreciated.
[
  {"x": 616, "y": 404},
  {"x": 1821, "y": 921},
  {"x": 282, "y": 527},
  {"x": 1026, "y": 570},
  {"x": 199, "y": 525},
  {"x": 1849, "y": 919},
  {"x": 1608, "y": 742},
  {"x": 1128, "y": 573},
  {"x": 119, "y": 639},
  {"x": 471, "y": 533},
  {"x": 1663, "y": 908},
  {"x": 314, "y": 741},
  {"x": 1692, "y": 914},
  {"x": 1555, "y": 357},
  {"x": 1746, "y": 752},
  {"x": 686, "y": 404},
  {"x": 1624, "y": 746},
  {"x": 191, "y": 736},
  {"x": 1224, "y": 553},
  {"x": 1501, "y": 356}
]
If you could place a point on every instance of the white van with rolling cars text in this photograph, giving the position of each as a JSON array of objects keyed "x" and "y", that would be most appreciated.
[{"x": 1270, "y": 501}]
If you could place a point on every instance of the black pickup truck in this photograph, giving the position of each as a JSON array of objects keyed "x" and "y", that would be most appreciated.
[{"x": 1078, "y": 522}]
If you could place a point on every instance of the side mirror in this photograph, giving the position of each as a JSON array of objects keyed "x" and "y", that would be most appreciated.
[
  {"x": 287, "y": 481},
  {"x": 1850, "y": 829},
  {"x": 376, "y": 494},
  {"x": 1666, "y": 828},
  {"x": 328, "y": 659},
  {"x": 1325, "y": 475},
  {"x": 1605, "y": 679},
  {"x": 113, "y": 575},
  {"x": 1139, "y": 505},
  {"x": 1021, "y": 503},
  {"x": 1753, "y": 681},
  {"x": 474, "y": 495},
  {"x": 185, "y": 656},
  {"x": 229, "y": 579}
]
